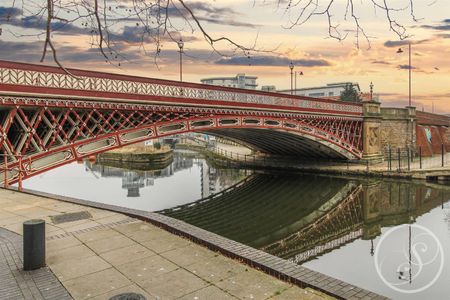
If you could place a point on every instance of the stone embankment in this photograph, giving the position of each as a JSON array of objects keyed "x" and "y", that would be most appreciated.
[{"x": 137, "y": 157}]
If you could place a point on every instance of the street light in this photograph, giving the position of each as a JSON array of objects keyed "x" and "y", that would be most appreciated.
[
  {"x": 400, "y": 50},
  {"x": 371, "y": 91},
  {"x": 181, "y": 45},
  {"x": 291, "y": 66},
  {"x": 299, "y": 74}
]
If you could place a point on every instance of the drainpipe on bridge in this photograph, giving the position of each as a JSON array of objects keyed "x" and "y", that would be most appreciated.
[{"x": 372, "y": 150}]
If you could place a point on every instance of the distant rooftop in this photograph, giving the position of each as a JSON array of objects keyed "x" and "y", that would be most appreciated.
[
  {"x": 228, "y": 77},
  {"x": 328, "y": 85}
]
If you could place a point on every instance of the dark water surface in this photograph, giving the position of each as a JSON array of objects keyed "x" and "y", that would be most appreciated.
[{"x": 388, "y": 236}]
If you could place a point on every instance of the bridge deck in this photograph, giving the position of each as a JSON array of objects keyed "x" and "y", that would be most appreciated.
[{"x": 37, "y": 80}]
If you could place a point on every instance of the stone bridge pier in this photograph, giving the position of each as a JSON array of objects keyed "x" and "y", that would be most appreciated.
[
  {"x": 403, "y": 129},
  {"x": 372, "y": 122}
]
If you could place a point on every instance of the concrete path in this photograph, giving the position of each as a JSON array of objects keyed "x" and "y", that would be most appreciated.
[{"x": 106, "y": 253}]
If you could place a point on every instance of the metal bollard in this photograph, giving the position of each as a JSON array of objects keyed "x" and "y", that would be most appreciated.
[
  {"x": 409, "y": 164},
  {"x": 33, "y": 244},
  {"x": 420, "y": 157}
]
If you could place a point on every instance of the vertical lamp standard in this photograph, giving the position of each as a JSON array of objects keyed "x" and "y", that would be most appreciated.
[
  {"x": 181, "y": 45},
  {"x": 291, "y": 66},
  {"x": 299, "y": 74},
  {"x": 371, "y": 91},
  {"x": 409, "y": 69}
]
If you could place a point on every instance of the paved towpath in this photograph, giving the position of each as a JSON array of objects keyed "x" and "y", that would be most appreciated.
[{"x": 105, "y": 253}]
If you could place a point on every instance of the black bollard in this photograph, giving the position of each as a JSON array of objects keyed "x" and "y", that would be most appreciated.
[{"x": 33, "y": 244}]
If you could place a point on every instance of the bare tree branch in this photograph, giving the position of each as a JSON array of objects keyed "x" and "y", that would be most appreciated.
[{"x": 112, "y": 24}]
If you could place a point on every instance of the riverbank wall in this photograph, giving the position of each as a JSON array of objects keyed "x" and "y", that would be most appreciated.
[{"x": 137, "y": 159}]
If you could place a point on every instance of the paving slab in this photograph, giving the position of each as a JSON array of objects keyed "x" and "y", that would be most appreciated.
[
  {"x": 126, "y": 254},
  {"x": 62, "y": 255},
  {"x": 166, "y": 243},
  {"x": 73, "y": 268},
  {"x": 188, "y": 255},
  {"x": 174, "y": 284},
  {"x": 208, "y": 293},
  {"x": 100, "y": 234},
  {"x": 252, "y": 285},
  {"x": 61, "y": 243},
  {"x": 127, "y": 289},
  {"x": 296, "y": 293},
  {"x": 216, "y": 268},
  {"x": 140, "y": 270},
  {"x": 97, "y": 283},
  {"x": 111, "y": 218},
  {"x": 112, "y": 243}
]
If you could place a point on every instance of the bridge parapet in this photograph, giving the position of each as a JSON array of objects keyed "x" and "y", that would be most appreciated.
[
  {"x": 426, "y": 118},
  {"x": 29, "y": 78}
]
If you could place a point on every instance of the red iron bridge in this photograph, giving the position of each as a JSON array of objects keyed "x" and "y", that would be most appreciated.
[{"x": 49, "y": 117}]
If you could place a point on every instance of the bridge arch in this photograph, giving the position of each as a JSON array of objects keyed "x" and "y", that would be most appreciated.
[{"x": 39, "y": 139}]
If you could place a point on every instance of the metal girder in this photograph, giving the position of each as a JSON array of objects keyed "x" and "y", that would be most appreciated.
[{"x": 45, "y": 137}]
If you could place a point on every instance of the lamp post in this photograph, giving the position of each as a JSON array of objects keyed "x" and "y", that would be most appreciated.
[
  {"x": 409, "y": 69},
  {"x": 291, "y": 66},
  {"x": 300, "y": 73},
  {"x": 371, "y": 91},
  {"x": 409, "y": 81},
  {"x": 181, "y": 45}
]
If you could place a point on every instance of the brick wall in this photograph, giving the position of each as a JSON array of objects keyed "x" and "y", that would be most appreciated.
[
  {"x": 439, "y": 135},
  {"x": 445, "y": 135},
  {"x": 422, "y": 141}
]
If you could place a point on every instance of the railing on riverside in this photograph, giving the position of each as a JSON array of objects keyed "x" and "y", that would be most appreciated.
[
  {"x": 229, "y": 158},
  {"x": 395, "y": 160},
  {"x": 408, "y": 159}
]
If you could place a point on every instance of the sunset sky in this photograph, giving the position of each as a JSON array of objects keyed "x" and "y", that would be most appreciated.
[{"x": 263, "y": 26}]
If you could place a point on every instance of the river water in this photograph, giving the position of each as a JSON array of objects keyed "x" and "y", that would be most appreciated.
[{"x": 389, "y": 236}]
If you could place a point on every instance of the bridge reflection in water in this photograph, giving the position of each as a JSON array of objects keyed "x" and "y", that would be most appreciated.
[{"x": 302, "y": 217}]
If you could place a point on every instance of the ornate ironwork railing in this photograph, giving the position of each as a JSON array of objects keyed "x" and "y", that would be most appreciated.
[{"x": 51, "y": 77}]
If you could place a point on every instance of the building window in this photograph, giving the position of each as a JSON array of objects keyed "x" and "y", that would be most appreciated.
[
  {"x": 331, "y": 94},
  {"x": 317, "y": 94}
]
